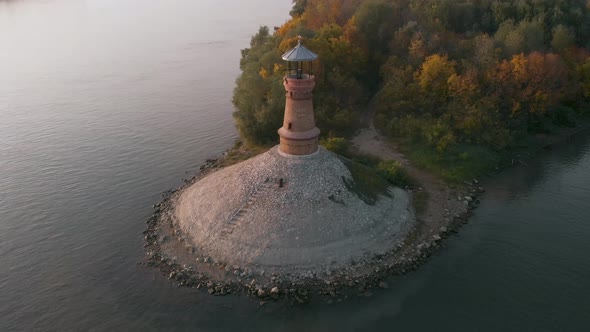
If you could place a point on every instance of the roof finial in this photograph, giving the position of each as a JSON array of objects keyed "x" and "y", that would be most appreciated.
[{"x": 299, "y": 38}]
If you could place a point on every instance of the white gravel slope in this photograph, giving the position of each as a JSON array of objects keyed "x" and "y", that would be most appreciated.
[{"x": 241, "y": 215}]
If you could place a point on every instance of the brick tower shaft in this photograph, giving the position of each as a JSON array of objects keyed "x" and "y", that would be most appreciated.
[{"x": 299, "y": 134}]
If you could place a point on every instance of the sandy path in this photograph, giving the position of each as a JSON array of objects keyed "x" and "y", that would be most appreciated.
[{"x": 444, "y": 202}]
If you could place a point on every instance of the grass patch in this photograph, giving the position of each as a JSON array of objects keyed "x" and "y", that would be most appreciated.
[
  {"x": 372, "y": 176},
  {"x": 240, "y": 152},
  {"x": 394, "y": 172},
  {"x": 460, "y": 163},
  {"x": 365, "y": 182},
  {"x": 338, "y": 145},
  {"x": 365, "y": 159},
  {"x": 341, "y": 146}
]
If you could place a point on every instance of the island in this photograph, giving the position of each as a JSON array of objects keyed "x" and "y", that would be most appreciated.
[{"x": 384, "y": 135}]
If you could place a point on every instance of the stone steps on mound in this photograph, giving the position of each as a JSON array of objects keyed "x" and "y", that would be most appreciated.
[{"x": 260, "y": 191}]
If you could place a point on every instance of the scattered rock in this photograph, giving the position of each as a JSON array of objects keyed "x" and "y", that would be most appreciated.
[
  {"x": 261, "y": 293},
  {"x": 383, "y": 285}
]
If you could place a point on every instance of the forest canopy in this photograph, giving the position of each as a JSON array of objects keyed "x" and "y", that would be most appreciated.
[{"x": 443, "y": 74}]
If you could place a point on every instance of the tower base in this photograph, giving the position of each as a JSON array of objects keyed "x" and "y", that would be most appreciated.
[
  {"x": 299, "y": 143},
  {"x": 298, "y": 148}
]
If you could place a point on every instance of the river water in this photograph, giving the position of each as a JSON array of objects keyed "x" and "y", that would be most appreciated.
[{"x": 105, "y": 104}]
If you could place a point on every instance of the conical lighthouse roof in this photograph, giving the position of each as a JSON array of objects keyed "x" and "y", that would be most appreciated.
[{"x": 299, "y": 53}]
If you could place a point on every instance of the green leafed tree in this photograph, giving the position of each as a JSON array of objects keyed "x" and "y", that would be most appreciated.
[{"x": 562, "y": 39}]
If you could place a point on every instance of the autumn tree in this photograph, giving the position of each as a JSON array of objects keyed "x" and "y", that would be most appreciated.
[
  {"x": 441, "y": 74},
  {"x": 433, "y": 77},
  {"x": 298, "y": 8},
  {"x": 562, "y": 38}
]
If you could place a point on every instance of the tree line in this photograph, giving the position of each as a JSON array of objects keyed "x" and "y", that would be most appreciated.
[{"x": 447, "y": 75}]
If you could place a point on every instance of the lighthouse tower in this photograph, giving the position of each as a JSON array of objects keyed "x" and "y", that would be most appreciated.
[
  {"x": 299, "y": 134},
  {"x": 296, "y": 212}
]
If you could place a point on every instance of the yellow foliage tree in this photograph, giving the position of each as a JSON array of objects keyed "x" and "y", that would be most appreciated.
[
  {"x": 433, "y": 77},
  {"x": 263, "y": 73},
  {"x": 435, "y": 72}
]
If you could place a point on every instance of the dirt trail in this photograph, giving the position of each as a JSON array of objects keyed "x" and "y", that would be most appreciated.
[{"x": 444, "y": 202}]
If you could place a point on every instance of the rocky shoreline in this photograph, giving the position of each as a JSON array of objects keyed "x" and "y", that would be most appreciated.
[{"x": 169, "y": 252}]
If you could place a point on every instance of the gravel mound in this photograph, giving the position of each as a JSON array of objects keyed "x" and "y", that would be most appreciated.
[{"x": 297, "y": 215}]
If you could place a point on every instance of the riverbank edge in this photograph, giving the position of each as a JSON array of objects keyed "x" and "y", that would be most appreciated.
[{"x": 417, "y": 246}]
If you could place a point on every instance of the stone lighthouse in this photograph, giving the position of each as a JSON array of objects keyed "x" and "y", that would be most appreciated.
[{"x": 299, "y": 135}]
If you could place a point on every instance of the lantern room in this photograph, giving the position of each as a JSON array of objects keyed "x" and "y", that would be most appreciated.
[{"x": 299, "y": 61}]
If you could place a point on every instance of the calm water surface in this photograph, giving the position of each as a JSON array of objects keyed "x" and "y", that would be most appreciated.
[{"x": 106, "y": 104}]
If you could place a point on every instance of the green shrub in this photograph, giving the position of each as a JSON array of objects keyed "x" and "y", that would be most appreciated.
[
  {"x": 394, "y": 172},
  {"x": 365, "y": 159},
  {"x": 338, "y": 145},
  {"x": 460, "y": 163},
  {"x": 365, "y": 182}
]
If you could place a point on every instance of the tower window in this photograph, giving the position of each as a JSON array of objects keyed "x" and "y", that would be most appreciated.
[{"x": 290, "y": 125}]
